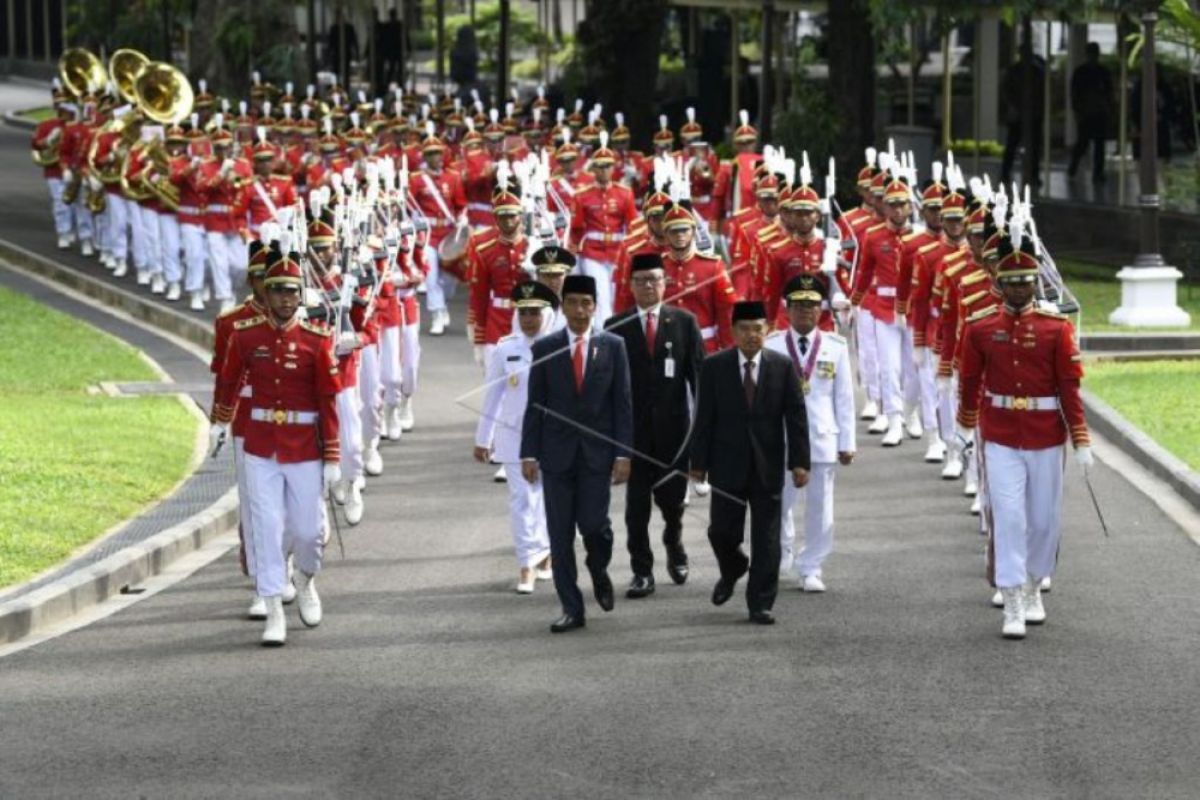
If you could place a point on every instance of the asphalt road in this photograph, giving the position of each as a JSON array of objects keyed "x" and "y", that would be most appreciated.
[{"x": 430, "y": 678}]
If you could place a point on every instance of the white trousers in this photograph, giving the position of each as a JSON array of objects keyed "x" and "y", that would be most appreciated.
[
  {"x": 399, "y": 361},
  {"x": 284, "y": 496},
  {"x": 146, "y": 255},
  {"x": 100, "y": 229},
  {"x": 920, "y": 383},
  {"x": 889, "y": 350},
  {"x": 527, "y": 516},
  {"x": 83, "y": 217},
  {"x": 168, "y": 243},
  {"x": 63, "y": 221},
  {"x": 438, "y": 285},
  {"x": 947, "y": 405},
  {"x": 817, "y": 499},
  {"x": 602, "y": 271},
  {"x": 223, "y": 249},
  {"x": 195, "y": 251},
  {"x": 118, "y": 226},
  {"x": 1025, "y": 503},
  {"x": 868, "y": 354},
  {"x": 244, "y": 519},
  {"x": 350, "y": 433},
  {"x": 370, "y": 394}
]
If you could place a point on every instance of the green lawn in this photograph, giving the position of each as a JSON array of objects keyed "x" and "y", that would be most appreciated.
[
  {"x": 1099, "y": 294},
  {"x": 1156, "y": 396},
  {"x": 36, "y": 114},
  {"x": 72, "y": 465}
]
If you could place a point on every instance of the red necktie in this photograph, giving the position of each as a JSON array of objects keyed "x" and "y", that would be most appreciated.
[
  {"x": 577, "y": 359},
  {"x": 650, "y": 332}
]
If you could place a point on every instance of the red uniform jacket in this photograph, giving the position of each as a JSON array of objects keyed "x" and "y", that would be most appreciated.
[
  {"x": 40, "y": 137},
  {"x": 478, "y": 184},
  {"x": 878, "y": 272},
  {"x": 289, "y": 368},
  {"x": 282, "y": 194},
  {"x": 910, "y": 244},
  {"x": 639, "y": 241},
  {"x": 1022, "y": 355},
  {"x": 743, "y": 228},
  {"x": 224, "y": 197},
  {"x": 956, "y": 267},
  {"x": 427, "y": 187},
  {"x": 785, "y": 259},
  {"x": 191, "y": 198},
  {"x": 496, "y": 267},
  {"x": 922, "y": 311},
  {"x": 222, "y": 331},
  {"x": 699, "y": 284},
  {"x": 600, "y": 219}
]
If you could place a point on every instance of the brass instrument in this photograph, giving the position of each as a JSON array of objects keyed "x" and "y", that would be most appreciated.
[
  {"x": 48, "y": 156},
  {"x": 701, "y": 168},
  {"x": 124, "y": 67},
  {"x": 81, "y": 71},
  {"x": 164, "y": 95},
  {"x": 71, "y": 190},
  {"x": 133, "y": 188}
]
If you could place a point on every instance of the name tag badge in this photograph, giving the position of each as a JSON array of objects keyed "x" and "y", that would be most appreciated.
[{"x": 669, "y": 368}]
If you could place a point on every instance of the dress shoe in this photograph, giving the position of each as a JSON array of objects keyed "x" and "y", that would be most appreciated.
[
  {"x": 275, "y": 631},
  {"x": 895, "y": 431},
  {"x": 880, "y": 425},
  {"x": 407, "y": 420},
  {"x": 258, "y": 609},
  {"x": 526, "y": 580},
  {"x": 603, "y": 589},
  {"x": 566, "y": 623},
  {"x": 812, "y": 584},
  {"x": 641, "y": 586},
  {"x": 722, "y": 592},
  {"x": 762, "y": 617},
  {"x": 499, "y": 476},
  {"x": 308, "y": 601},
  {"x": 870, "y": 410},
  {"x": 678, "y": 571},
  {"x": 543, "y": 571},
  {"x": 952, "y": 470}
]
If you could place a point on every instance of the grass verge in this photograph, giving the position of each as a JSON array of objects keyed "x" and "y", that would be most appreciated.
[
  {"x": 72, "y": 465},
  {"x": 36, "y": 114},
  {"x": 1157, "y": 397},
  {"x": 1099, "y": 294}
]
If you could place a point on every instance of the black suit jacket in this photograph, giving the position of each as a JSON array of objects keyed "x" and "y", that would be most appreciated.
[
  {"x": 729, "y": 438},
  {"x": 661, "y": 412},
  {"x": 564, "y": 428}
]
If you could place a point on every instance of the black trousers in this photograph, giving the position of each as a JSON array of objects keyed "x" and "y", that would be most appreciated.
[
  {"x": 1013, "y": 143},
  {"x": 1081, "y": 146},
  {"x": 727, "y": 532},
  {"x": 668, "y": 496},
  {"x": 577, "y": 498}
]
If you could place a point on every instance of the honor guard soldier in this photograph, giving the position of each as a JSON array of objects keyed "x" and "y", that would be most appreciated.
[
  {"x": 603, "y": 213},
  {"x": 744, "y": 227},
  {"x": 497, "y": 259},
  {"x": 821, "y": 361},
  {"x": 270, "y": 197},
  {"x": 185, "y": 171},
  {"x": 223, "y": 177},
  {"x": 802, "y": 250},
  {"x": 498, "y": 434},
  {"x": 696, "y": 282},
  {"x": 438, "y": 192},
  {"x": 646, "y": 236},
  {"x": 1019, "y": 383},
  {"x": 291, "y": 439}
]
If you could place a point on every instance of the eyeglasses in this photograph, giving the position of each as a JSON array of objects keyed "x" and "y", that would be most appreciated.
[{"x": 647, "y": 280}]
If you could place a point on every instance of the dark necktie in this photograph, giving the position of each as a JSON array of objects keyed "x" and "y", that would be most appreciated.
[
  {"x": 748, "y": 385},
  {"x": 577, "y": 360},
  {"x": 803, "y": 345},
  {"x": 650, "y": 332}
]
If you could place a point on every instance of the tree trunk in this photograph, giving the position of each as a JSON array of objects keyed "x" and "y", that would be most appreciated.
[{"x": 852, "y": 81}]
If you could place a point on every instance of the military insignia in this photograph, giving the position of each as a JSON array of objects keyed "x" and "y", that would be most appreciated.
[
  {"x": 290, "y": 365},
  {"x": 999, "y": 336},
  {"x": 514, "y": 380},
  {"x": 805, "y": 386},
  {"x": 291, "y": 347},
  {"x": 527, "y": 291},
  {"x": 552, "y": 255},
  {"x": 826, "y": 369}
]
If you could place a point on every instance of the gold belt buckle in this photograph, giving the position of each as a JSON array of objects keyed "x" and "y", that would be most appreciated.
[
  {"x": 1020, "y": 403},
  {"x": 280, "y": 416}
]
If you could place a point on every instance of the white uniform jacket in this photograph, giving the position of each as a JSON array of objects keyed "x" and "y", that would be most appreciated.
[
  {"x": 504, "y": 401},
  {"x": 830, "y": 399}
]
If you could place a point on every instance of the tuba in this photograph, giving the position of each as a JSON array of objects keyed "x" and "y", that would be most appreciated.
[
  {"x": 164, "y": 95},
  {"x": 81, "y": 71},
  {"x": 48, "y": 156},
  {"x": 124, "y": 67}
]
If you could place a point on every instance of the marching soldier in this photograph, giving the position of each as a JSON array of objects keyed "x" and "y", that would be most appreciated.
[
  {"x": 821, "y": 360},
  {"x": 497, "y": 258},
  {"x": 222, "y": 177},
  {"x": 799, "y": 250},
  {"x": 697, "y": 282},
  {"x": 271, "y": 197},
  {"x": 1019, "y": 383},
  {"x": 438, "y": 192},
  {"x": 498, "y": 434},
  {"x": 291, "y": 446},
  {"x": 184, "y": 171},
  {"x": 744, "y": 227},
  {"x": 646, "y": 236}
]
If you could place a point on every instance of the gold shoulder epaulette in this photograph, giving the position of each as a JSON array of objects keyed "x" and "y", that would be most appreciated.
[
  {"x": 320, "y": 331},
  {"x": 766, "y": 233},
  {"x": 709, "y": 256},
  {"x": 742, "y": 211},
  {"x": 926, "y": 248},
  {"x": 778, "y": 244},
  {"x": 974, "y": 278},
  {"x": 481, "y": 246},
  {"x": 953, "y": 269},
  {"x": 983, "y": 313},
  {"x": 972, "y": 298},
  {"x": 908, "y": 237},
  {"x": 1045, "y": 312},
  {"x": 875, "y": 227},
  {"x": 242, "y": 324}
]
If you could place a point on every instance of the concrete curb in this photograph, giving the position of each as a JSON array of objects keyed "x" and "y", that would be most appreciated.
[
  {"x": 1142, "y": 449},
  {"x": 92, "y": 585},
  {"x": 11, "y": 118},
  {"x": 197, "y": 331},
  {"x": 1137, "y": 342}
]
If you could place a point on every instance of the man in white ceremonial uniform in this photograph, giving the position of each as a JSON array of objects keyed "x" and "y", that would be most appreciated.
[
  {"x": 821, "y": 361},
  {"x": 551, "y": 265},
  {"x": 498, "y": 434}
]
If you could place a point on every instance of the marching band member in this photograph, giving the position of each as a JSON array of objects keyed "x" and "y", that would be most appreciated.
[
  {"x": 497, "y": 259},
  {"x": 438, "y": 192},
  {"x": 291, "y": 446},
  {"x": 171, "y": 277},
  {"x": 47, "y": 148},
  {"x": 184, "y": 174},
  {"x": 222, "y": 177},
  {"x": 498, "y": 434},
  {"x": 147, "y": 255}
]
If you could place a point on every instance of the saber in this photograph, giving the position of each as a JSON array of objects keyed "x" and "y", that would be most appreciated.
[
  {"x": 337, "y": 528},
  {"x": 1087, "y": 480}
]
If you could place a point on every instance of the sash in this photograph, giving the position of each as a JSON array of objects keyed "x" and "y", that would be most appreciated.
[
  {"x": 266, "y": 198},
  {"x": 437, "y": 197},
  {"x": 805, "y": 371}
]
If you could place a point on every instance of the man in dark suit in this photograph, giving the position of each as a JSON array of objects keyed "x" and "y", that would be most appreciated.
[
  {"x": 749, "y": 409},
  {"x": 577, "y": 435},
  {"x": 665, "y": 349}
]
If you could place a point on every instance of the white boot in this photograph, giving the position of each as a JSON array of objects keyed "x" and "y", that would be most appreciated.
[
  {"x": 1045, "y": 584},
  {"x": 86, "y": 249},
  {"x": 437, "y": 326},
  {"x": 308, "y": 601},
  {"x": 998, "y": 599},
  {"x": 1014, "y": 613},
  {"x": 158, "y": 284},
  {"x": 197, "y": 303},
  {"x": 206, "y": 294},
  {"x": 354, "y": 504},
  {"x": 812, "y": 584},
  {"x": 289, "y": 588},
  {"x": 106, "y": 259},
  {"x": 971, "y": 486},
  {"x": 64, "y": 242},
  {"x": 275, "y": 632},
  {"x": 372, "y": 460},
  {"x": 870, "y": 410},
  {"x": 339, "y": 492},
  {"x": 936, "y": 452},
  {"x": 407, "y": 420},
  {"x": 976, "y": 506},
  {"x": 122, "y": 268},
  {"x": 391, "y": 422},
  {"x": 174, "y": 291},
  {"x": 143, "y": 277},
  {"x": 913, "y": 425},
  {"x": 880, "y": 425},
  {"x": 226, "y": 304},
  {"x": 895, "y": 431},
  {"x": 258, "y": 608},
  {"x": 1031, "y": 598},
  {"x": 952, "y": 469},
  {"x": 499, "y": 476}
]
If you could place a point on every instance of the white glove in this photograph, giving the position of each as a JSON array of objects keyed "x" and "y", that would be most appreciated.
[
  {"x": 94, "y": 183},
  {"x": 920, "y": 356},
  {"x": 226, "y": 166},
  {"x": 1084, "y": 457},
  {"x": 216, "y": 437},
  {"x": 943, "y": 384},
  {"x": 196, "y": 161},
  {"x": 365, "y": 254},
  {"x": 964, "y": 437},
  {"x": 67, "y": 176},
  {"x": 840, "y": 303},
  {"x": 347, "y": 343},
  {"x": 901, "y": 320},
  {"x": 331, "y": 474},
  {"x": 478, "y": 355},
  {"x": 471, "y": 333}
]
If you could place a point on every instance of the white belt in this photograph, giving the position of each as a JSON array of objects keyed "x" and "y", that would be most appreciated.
[
  {"x": 709, "y": 332},
  {"x": 281, "y": 417},
  {"x": 219, "y": 209},
  {"x": 193, "y": 210},
  {"x": 604, "y": 236},
  {"x": 935, "y": 312},
  {"x": 1023, "y": 403},
  {"x": 247, "y": 391},
  {"x": 406, "y": 292},
  {"x": 702, "y": 199},
  {"x": 501, "y": 302},
  {"x": 479, "y": 206},
  {"x": 885, "y": 291}
]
